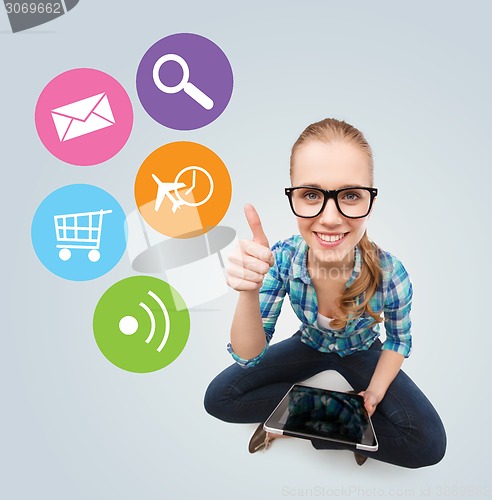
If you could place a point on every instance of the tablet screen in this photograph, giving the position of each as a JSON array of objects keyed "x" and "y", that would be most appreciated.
[{"x": 319, "y": 413}]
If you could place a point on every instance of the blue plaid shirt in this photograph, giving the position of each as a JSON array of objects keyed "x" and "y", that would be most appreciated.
[{"x": 289, "y": 275}]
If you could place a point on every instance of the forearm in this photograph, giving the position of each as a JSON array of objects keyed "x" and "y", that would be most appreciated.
[
  {"x": 386, "y": 370},
  {"x": 247, "y": 333}
]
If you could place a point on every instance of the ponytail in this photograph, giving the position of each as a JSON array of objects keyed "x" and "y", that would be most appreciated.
[{"x": 354, "y": 302}]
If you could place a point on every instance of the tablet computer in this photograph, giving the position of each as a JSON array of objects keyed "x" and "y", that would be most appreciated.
[{"x": 309, "y": 412}]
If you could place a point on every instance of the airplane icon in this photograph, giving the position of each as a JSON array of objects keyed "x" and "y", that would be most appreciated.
[{"x": 164, "y": 189}]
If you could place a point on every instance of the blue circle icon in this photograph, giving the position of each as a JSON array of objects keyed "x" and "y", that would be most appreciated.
[{"x": 79, "y": 232}]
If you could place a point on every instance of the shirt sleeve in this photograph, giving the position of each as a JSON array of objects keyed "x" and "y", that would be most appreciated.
[
  {"x": 397, "y": 307},
  {"x": 271, "y": 295}
]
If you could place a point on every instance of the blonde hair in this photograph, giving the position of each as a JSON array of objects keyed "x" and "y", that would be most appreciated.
[{"x": 355, "y": 300}]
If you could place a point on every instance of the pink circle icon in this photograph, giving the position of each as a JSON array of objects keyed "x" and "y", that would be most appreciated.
[{"x": 84, "y": 116}]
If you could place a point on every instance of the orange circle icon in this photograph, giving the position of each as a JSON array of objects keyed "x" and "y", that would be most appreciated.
[{"x": 183, "y": 189}]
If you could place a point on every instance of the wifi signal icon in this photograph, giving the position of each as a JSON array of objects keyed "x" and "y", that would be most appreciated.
[
  {"x": 129, "y": 324},
  {"x": 141, "y": 324}
]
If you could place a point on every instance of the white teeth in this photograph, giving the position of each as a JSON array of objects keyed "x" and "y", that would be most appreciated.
[{"x": 331, "y": 239}]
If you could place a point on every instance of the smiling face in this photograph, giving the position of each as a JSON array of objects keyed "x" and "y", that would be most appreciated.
[{"x": 331, "y": 237}]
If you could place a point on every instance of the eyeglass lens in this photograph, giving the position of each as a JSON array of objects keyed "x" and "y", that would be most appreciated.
[{"x": 307, "y": 202}]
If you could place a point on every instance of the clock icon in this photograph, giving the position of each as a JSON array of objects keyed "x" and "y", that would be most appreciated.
[{"x": 198, "y": 188}]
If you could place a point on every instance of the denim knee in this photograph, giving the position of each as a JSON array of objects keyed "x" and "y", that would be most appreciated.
[
  {"x": 433, "y": 443},
  {"x": 211, "y": 401},
  {"x": 428, "y": 445},
  {"x": 216, "y": 401}
]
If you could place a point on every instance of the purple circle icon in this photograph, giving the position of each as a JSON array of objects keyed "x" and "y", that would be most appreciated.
[{"x": 184, "y": 81}]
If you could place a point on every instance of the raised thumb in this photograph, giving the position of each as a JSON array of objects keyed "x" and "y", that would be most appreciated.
[{"x": 254, "y": 223}]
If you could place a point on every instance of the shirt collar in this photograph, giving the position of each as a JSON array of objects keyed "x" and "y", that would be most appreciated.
[{"x": 299, "y": 264}]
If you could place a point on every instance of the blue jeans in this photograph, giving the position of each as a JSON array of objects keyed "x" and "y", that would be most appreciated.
[{"x": 408, "y": 428}]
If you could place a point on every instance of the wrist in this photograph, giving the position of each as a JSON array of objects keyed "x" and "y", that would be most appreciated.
[
  {"x": 249, "y": 294},
  {"x": 378, "y": 392}
]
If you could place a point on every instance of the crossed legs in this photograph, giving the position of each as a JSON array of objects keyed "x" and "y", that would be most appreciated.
[{"x": 408, "y": 428}]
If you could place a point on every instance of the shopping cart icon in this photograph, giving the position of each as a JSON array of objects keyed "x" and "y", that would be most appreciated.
[{"x": 81, "y": 231}]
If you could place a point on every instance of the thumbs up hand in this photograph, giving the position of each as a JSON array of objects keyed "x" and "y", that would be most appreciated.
[{"x": 252, "y": 260}]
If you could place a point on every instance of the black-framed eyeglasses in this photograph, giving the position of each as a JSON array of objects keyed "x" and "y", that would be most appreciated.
[{"x": 351, "y": 202}]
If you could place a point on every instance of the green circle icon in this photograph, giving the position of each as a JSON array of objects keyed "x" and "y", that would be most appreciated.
[{"x": 141, "y": 324}]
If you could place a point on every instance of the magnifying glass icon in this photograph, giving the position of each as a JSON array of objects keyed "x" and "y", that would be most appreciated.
[{"x": 194, "y": 92}]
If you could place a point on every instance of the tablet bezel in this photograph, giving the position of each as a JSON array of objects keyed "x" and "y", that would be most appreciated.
[{"x": 369, "y": 441}]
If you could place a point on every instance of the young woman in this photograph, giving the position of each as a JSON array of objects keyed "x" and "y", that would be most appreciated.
[{"x": 341, "y": 286}]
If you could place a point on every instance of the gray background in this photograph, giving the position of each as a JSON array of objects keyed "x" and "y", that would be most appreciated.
[{"x": 415, "y": 77}]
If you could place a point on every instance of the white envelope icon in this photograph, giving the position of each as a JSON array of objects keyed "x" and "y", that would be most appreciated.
[{"x": 83, "y": 117}]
